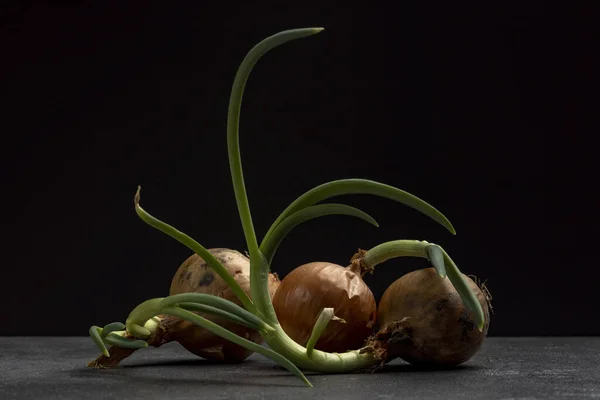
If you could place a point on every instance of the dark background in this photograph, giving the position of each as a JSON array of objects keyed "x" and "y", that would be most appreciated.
[{"x": 459, "y": 105}]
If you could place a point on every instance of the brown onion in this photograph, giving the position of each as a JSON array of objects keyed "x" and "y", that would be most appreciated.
[
  {"x": 196, "y": 276},
  {"x": 424, "y": 321},
  {"x": 310, "y": 288}
]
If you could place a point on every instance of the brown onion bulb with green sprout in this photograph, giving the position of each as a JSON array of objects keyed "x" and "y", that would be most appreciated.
[
  {"x": 310, "y": 288},
  {"x": 194, "y": 275},
  {"x": 426, "y": 321},
  {"x": 433, "y": 316}
]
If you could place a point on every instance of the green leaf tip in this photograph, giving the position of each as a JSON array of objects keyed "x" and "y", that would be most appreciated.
[
  {"x": 136, "y": 198},
  {"x": 327, "y": 315},
  {"x": 361, "y": 186},
  {"x": 462, "y": 287},
  {"x": 95, "y": 333},
  {"x": 301, "y": 32},
  {"x": 436, "y": 257}
]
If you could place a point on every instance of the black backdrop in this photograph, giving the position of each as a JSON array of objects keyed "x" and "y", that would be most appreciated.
[{"x": 458, "y": 105}]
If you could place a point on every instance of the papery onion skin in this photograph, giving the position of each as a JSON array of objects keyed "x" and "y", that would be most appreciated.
[
  {"x": 196, "y": 276},
  {"x": 424, "y": 321},
  {"x": 305, "y": 291}
]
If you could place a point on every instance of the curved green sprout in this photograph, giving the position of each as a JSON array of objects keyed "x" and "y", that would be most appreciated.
[
  {"x": 323, "y": 320},
  {"x": 269, "y": 245},
  {"x": 441, "y": 261},
  {"x": 106, "y": 335},
  {"x": 258, "y": 312},
  {"x": 203, "y": 308},
  {"x": 360, "y": 186},
  {"x": 436, "y": 256},
  {"x": 195, "y": 247}
]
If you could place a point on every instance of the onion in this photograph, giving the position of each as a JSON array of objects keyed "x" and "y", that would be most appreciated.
[
  {"x": 424, "y": 321},
  {"x": 310, "y": 288},
  {"x": 195, "y": 276}
]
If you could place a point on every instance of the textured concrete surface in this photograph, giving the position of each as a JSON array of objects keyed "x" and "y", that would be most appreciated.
[{"x": 505, "y": 368}]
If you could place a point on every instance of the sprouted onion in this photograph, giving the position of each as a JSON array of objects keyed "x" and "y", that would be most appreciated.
[
  {"x": 310, "y": 288},
  {"x": 259, "y": 312},
  {"x": 422, "y": 316},
  {"x": 195, "y": 276},
  {"x": 425, "y": 322}
]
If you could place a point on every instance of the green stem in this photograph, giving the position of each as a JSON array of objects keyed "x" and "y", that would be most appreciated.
[
  {"x": 259, "y": 266},
  {"x": 289, "y": 351},
  {"x": 233, "y": 121},
  {"x": 142, "y": 313},
  {"x": 259, "y": 287},
  {"x": 415, "y": 248},
  {"x": 197, "y": 248},
  {"x": 270, "y": 245},
  {"x": 398, "y": 248},
  {"x": 219, "y": 313},
  {"x": 318, "y": 361},
  {"x": 360, "y": 186},
  {"x": 216, "y": 305},
  {"x": 324, "y": 318},
  {"x": 228, "y": 307}
]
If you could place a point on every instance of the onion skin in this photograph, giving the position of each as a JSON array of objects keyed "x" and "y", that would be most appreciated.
[
  {"x": 424, "y": 321},
  {"x": 305, "y": 291}
]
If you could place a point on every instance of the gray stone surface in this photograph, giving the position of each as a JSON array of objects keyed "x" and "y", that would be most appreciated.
[{"x": 505, "y": 368}]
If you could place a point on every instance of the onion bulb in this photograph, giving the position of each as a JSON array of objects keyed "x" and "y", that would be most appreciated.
[
  {"x": 196, "y": 276},
  {"x": 310, "y": 288},
  {"x": 424, "y": 321}
]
